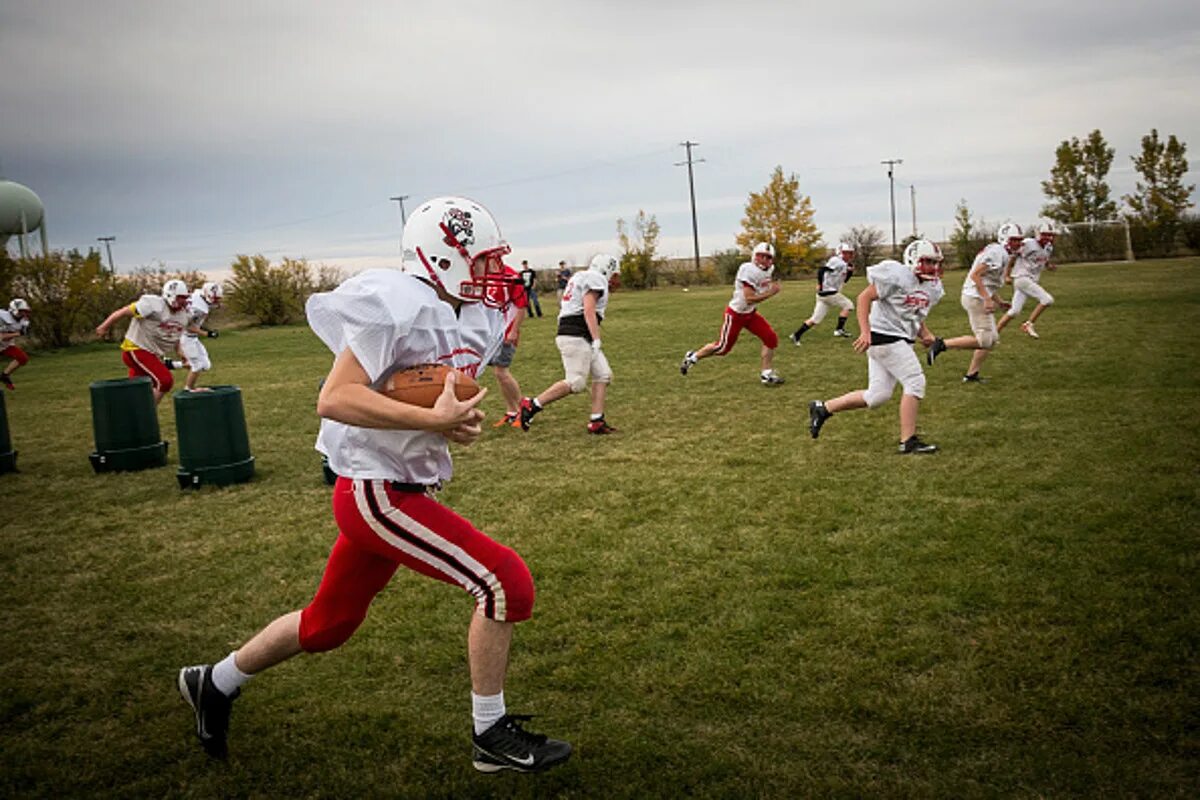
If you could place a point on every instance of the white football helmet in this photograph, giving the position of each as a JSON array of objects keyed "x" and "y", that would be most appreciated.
[
  {"x": 449, "y": 241},
  {"x": 1010, "y": 236},
  {"x": 19, "y": 308},
  {"x": 175, "y": 292},
  {"x": 605, "y": 264},
  {"x": 764, "y": 247},
  {"x": 212, "y": 292},
  {"x": 1046, "y": 231},
  {"x": 924, "y": 258}
]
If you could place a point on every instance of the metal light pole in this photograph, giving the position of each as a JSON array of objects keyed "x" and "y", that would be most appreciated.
[
  {"x": 400, "y": 198},
  {"x": 108, "y": 240},
  {"x": 692, "y": 191},
  {"x": 912, "y": 194},
  {"x": 891, "y": 163}
]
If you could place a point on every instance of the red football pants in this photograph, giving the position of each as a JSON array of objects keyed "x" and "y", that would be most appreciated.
[
  {"x": 380, "y": 529},
  {"x": 754, "y": 322},
  {"x": 143, "y": 362}
]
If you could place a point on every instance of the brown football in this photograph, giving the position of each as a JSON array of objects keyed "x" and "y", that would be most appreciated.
[{"x": 422, "y": 385}]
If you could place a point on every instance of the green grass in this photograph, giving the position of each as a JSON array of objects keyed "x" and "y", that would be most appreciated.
[{"x": 726, "y": 608}]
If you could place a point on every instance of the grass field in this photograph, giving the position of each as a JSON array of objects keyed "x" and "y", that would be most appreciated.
[{"x": 726, "y": 608}]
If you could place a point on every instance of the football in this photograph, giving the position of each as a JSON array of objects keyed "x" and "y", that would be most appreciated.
[{"x": 422, "y": 385}]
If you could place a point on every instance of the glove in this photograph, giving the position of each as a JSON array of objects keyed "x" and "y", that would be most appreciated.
[
  {"x": 212, "y": 334},
  {"x": 595, "y": 345}
]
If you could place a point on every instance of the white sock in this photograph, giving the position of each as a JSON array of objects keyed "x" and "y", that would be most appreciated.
[
  {"x": 227, "y": 677},
  {"x": 486, "y": 710},
  {"x": 597, "y": 417}
]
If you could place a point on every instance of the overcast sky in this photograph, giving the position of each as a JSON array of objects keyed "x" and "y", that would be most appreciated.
[{"x": 196, "y": 131}]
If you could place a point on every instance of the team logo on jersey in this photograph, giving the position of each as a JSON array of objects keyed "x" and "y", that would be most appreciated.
[
  {"x": 460, "y": 228},
  {"x": 917, "y": 300}
]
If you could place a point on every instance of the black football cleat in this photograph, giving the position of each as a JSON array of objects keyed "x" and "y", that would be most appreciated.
[
  {"x": 913, "y": 444},
  {"x": 938, "y": 347},
  {"x": 506, "y": 745},
  {"x": 817, "y": 414},
  {"x": 210, "y": 705}
]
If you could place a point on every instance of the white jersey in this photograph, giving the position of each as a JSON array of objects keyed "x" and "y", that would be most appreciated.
[
  {"x": 390, "y": 321},
  {"x": 833, "y": 276},
  {"x": 759, "y": 281},
  {"x": 198, "y": 311},
  {"x": 10, "y": 324},
  {"x": 155, "y": 327},
  {"x": 904, "y": 299},
  {"x": 1032, "y": 259},
  {"x": 993, "y": 257},
  {"x": 580, "y": 284}
]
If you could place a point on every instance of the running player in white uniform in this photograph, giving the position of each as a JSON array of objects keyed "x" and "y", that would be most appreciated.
[
  {"x": 14, "y": 323},
  {"x": 980, "y": 297},
  {"x": 390, "y": 458},
  {"x": 830, "y": 280},
  {"x": 201, "y": 304},
  {"x": 891, "y": 315},
  {"x": 1026, "y": 277},
  {"x": 584, "y": 302},
  {"x": 153, "y": 335},
  {"x": 755, "y": 282}
]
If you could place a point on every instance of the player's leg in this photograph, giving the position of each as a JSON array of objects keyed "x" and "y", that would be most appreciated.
[
  {"x": 731, "y": 326},
  {"x": 818, "y": 314},
  {"x": 601, "y": 375},
  {"x": 576, "y": 354},
  {"x": 143, "y": 362},
  {"x": 19, "y": 359},
  {"x": 757, "y": 324}
]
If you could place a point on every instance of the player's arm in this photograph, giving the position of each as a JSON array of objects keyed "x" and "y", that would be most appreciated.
[
  {"x": 862, "y": 312},
  {"x": 753, "y": 297},
  {"x": 976, "y": 277},
  {"x": 925, "y": 335},
  {"x": 120, "y": 313},
  {"x": 590, "y": 318},
  {"x": 348, "y": 397}
]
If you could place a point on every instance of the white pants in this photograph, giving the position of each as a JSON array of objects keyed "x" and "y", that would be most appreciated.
[
  {"x": 983, "y": 323},
  {"x": 838, "y": 301},
  {"x": 889, "y": 364},
  {"x": 580, "y": 361},
  {"x": 1024, "y": 288},
  {"x": 194, "y": 352}
]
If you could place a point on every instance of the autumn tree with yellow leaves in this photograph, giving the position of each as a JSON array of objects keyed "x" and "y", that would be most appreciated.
[{"x": 779, "y": 214}]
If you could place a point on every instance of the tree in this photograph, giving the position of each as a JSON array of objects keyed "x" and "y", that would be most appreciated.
[
  {"x": 61, "y": 288},
  {"x": 1161, "y": 198},
  {"x": 273, "y": 294},
  {"x": 969, "y": 235},
  {"x": 866, "y": 241},
  {"x": 1077, "y": 189},
  {"x": 780, "y": 215},
  {"x": 639, "y": 250}
]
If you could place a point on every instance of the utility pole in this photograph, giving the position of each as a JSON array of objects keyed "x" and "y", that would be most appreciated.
[
  {"x": 912, "y": 190},
  {"x": 108, "y": 240},
  {"x": 692, "y": 190},
  {"x": 891, "y": 163},
  {"x": 400, "y": 198}
]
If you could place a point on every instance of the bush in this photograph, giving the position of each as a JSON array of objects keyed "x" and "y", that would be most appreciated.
[
  {"x": 275, "y": 294},
  {"x": 727, "y": 263},
  {"x": 639, "y": 270}
]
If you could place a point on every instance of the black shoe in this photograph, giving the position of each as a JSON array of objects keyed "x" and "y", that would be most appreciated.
[
  {"x": 817, "y": 414},
  {"x": 599, "y": 426},
  {"x": 795, "y": 337},
  {"x": 913, "y": 444},
  {"x": 211, "y": 707},
  {"x": 7, "y": 381},
  {"x": 506, "y": 745},
  {"x": 528, "y": 409},
  {"x": 939, "y": 347},
  {"x": 689, "y": 360},
  {"x": 973, "y": 377}
]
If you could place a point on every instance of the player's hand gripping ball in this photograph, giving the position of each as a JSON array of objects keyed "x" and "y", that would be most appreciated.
[{"x": 422, "y": 385}]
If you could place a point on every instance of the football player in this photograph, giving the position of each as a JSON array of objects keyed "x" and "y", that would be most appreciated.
[
  {"x": 513, "y": 300},
  {"x": 584, "y": 302},
  {"x": 830, "y": 280},
  {"x": 754, "y": 283},
  {"x": 891, "y": 315},
  {"x": 390, "y": 458},
  {"x": 980, "y": 297},
  {"x": 158, "y": 322},
  {"x": 202, "y": 303},
  {"x": 14, "y": 323},
  {"x": 1026, "y": 276}
]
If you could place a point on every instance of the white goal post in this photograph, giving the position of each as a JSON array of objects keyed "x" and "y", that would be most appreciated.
[{"x": 1107, "y": 239}]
